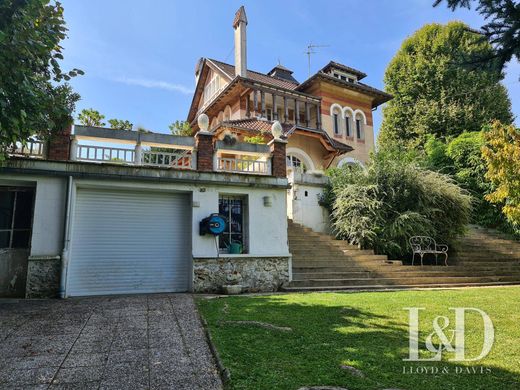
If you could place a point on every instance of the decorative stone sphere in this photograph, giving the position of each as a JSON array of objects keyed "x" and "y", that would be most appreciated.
[
  {"x": 276, "y": 130},
  {"x": 203, "y": 122}
]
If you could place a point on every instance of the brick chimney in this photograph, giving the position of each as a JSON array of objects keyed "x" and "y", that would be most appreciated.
[{"x": 239, "y": 24}]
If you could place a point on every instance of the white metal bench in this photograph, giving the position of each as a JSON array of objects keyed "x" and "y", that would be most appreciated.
[{"x": 423, "y": 245}]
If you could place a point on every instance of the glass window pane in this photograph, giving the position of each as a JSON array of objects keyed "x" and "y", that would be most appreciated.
[
  {"x": 4, "y": 239},
  {"x": 6, "y": 209},
  {"x": 21, "y": 238},
  {"x": 23, "y": 212}
]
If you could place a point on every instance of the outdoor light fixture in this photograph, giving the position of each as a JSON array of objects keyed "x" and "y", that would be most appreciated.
[
  {"x": 276, "y": 130},
  {"x": 203, "y": 122}
]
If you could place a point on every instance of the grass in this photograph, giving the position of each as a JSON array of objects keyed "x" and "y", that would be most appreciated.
[{"x": 368, "y": 331}]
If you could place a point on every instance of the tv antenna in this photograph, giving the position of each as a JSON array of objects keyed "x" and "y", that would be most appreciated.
[{"x": 311, "y": 50}]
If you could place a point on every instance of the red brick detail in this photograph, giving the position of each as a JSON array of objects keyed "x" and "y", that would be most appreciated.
[
  {"x": 205, "y": 151},
  {"x": 59, "y": 145},
  {"x": 278, "y": 162}
]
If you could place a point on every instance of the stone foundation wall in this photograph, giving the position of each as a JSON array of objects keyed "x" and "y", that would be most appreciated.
[
  {"x": 255, "y": 274},
  {"x": 43, "y": 277}
]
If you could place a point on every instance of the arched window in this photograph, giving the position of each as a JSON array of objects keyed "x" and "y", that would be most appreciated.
[
  {"x": 220, "y": 117},
  {"x": 295, "y": 164},
  {"x": 349, "y": 162},
  {"x": 335, "y": 111},
  {"x": 360, "y": 131},
  {"x": 348, "y": 126}
]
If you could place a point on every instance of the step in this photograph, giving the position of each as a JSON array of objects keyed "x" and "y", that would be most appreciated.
[
  {"x": 390, "y": 288},
  {"x": 402, "y": 281},
  {"x": 345, "y": 263},
  {"x": 385, "y": 268},
  {"x": 344, "y": 258},
  {"x": 396, "y": 273}
]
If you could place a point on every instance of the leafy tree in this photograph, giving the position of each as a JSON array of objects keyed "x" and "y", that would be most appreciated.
[
  {"x": 120, "y": 124},
  {"x": 34, "y": 98},
  {"x": 502, "y": 155},
  {"x": 382, "y": 205},
  {"x": 433, "y": 95},
  {"x": 180, "y": 128},
  {"x": 502, "y": 30},
  {"x": 91, "y": 117}
]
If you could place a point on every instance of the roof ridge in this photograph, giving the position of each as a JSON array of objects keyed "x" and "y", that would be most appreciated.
[{"x": 255, "y": 71}]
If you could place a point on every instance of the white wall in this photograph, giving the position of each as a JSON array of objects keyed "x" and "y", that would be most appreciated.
[
  {"x": 267, "y": 226},
  {"x": 49, "y": 209},
  {"x": 305, "y": 209},
  {"x": 267, "y": 230}
]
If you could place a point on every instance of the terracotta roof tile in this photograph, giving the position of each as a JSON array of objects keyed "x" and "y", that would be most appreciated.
[
  {"x": 229, "y": 70},
  {"x": 264, "y": 126},
  {"x": 255, "y": 124}
]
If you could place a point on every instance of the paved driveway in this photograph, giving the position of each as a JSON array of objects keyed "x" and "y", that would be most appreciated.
[{"x": 130, "y": 342}]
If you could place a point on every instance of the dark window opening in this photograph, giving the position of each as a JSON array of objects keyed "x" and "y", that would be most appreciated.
[
  {"x": 358, "y": 128},
  {"x": 234, "y": 208},
  {"x": 16, "y": 212},
  {"x": 347, "y": 126},
  {"x": 336, "y": 124}
]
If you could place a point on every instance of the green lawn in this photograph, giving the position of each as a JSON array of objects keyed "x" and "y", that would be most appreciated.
[{"x": 368, "y": 331}]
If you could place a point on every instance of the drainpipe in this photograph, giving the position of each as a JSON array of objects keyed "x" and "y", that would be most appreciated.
[{"x": 66, "y": 238}]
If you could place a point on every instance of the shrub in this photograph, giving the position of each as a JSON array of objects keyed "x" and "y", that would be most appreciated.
[{"x": 383, "y": 205}]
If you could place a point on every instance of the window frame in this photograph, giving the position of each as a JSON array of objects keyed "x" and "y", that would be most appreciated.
[
  {"x": 14, "y": 213},
  {"x": 244, "y": 206},
  {"x": 335, "y": 123},
  {"x": 299, "y": 167},
  {"x": 359, "y": 130},
  {"x": 348, "y": 130}
]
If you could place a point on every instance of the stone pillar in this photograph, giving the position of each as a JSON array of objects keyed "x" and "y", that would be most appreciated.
[
  {"x": 59, "y": 145},
  {"x": 279, "y": 164},
  {"x": 205, "y": 151},
  {"x": 138, "y": 154}
]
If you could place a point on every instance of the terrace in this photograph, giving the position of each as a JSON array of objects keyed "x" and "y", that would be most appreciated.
[{"x": 99, "y": 145}]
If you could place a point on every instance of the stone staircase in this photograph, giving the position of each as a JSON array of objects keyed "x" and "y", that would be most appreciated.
[{"x": 321, "y": 262}]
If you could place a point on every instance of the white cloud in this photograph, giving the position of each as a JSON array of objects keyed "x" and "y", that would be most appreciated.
[{"x": 158, "y": 84}]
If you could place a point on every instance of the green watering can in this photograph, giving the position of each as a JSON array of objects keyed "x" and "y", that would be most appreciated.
[{"x": 234, "y": 247}]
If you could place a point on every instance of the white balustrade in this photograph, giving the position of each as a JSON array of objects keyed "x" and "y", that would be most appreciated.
[
  {"x": 179, "y": 160},
  {"x": 32, "y": 148},
  {"x": 241, "y": 165},
  {"x": 104, "y": 154}
]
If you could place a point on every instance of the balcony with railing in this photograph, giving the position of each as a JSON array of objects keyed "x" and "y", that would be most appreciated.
[
  {"x": 100, "y": 145},
  {"x": 243, "y": 158},
  {"x": 124, "y": 147}
]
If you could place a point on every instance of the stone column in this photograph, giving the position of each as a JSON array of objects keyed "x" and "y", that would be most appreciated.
[
  {"x": 279, "y": 164},
  {"x": 205, "y": 151}
]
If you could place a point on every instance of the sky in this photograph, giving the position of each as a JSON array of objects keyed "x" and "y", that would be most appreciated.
[{"x": 139, "y": 57}]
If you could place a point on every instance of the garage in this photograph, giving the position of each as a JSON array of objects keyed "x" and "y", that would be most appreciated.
[{"x": 126, "y": 242}]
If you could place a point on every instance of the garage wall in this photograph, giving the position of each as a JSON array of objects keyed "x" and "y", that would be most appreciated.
[
  {"x": 49, "y": 208},
  {"x": 267, "y": 225},
  {"x": 41, "y": 265}
]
